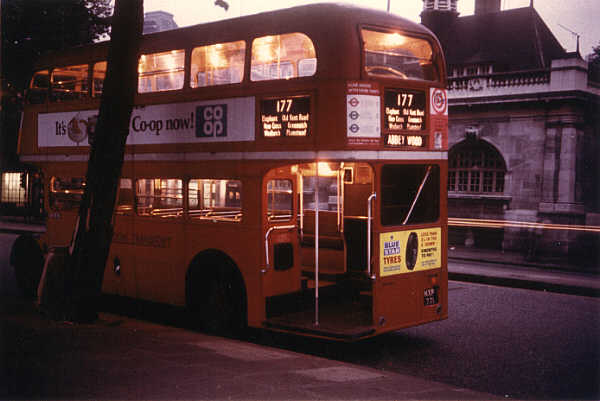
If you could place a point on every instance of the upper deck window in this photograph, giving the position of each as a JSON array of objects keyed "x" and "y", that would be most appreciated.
[
  {"x": 218, "y": 64},
  {"x": 69, "y": 82},
  {"x": 161, "y": 71},
  {"x": 38, "y": 87},
  {"x": 285, "y": 56},
  {"x": 394, "y": 55}
]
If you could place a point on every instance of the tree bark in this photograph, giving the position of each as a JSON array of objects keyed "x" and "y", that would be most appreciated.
[{"x": 94, "y": 229}]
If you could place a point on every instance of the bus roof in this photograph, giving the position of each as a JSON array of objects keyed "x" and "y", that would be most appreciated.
[{"x": 324, "y": 20}]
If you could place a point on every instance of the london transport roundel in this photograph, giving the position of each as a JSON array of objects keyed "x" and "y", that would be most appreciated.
[{"x": 439, "y": 101}]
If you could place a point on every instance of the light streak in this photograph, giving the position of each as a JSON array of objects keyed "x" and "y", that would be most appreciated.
[{"x": 490, "y": 223}]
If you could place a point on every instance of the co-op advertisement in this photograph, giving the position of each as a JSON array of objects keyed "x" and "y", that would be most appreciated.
[{"x": 223, "y": 120}]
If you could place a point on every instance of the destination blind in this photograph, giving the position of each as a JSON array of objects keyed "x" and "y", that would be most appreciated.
[
  {"x": 404, "y": 118},
  {"x": 285, "y": 116}
]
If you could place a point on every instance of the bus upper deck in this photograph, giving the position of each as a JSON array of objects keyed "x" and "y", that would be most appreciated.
[{"x": 358, "y": 86}]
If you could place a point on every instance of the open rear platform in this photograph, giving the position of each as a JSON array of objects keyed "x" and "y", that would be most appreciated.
[
  {"x": 342, "y": 322},
  {"x": 345, "y": 313}
]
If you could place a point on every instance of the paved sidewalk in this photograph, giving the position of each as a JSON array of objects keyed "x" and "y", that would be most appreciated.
[
  {"x": 512, "y": 270},
  {"x": 123, "y": 358}
]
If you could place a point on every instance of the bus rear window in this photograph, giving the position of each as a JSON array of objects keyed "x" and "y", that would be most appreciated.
[
  {"x": 286, "y": 56},
  {"x": 279, "y": 200},
  {"x": 215, "y": 200},
  {"x": 218, "y": 64},
  {"x": 66, "y": 192},
  {"x": 69, "y": 82},
  {"x": 394, "y": 55},
  {"x": 159, "y": 197},
  {"x": 159, "y": 72},
  {"x": 410, "y": 194}
]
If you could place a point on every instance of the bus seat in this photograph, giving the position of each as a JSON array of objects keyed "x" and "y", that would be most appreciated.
[{"x": 329, "y": 236}]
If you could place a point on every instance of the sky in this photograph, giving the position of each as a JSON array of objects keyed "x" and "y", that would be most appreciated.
[{"x": 561, "y": 16}]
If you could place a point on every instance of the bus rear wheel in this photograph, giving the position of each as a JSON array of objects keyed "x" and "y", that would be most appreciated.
[
  {"x": 217, "y": 296},
  {"x": 27, "y": 259}
]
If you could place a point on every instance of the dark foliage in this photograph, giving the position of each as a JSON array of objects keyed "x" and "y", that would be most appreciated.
[{"x": 33, "y": 27}]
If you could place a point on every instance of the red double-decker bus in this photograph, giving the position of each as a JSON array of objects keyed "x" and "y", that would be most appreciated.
[{"x": 285, "y": 170}]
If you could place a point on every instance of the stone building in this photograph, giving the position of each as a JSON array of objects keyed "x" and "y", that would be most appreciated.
[
  {"x": 158, "y": 21},
  {"x": 524, "y": 135}
]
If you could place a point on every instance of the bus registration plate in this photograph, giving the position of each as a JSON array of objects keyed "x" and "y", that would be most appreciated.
[{"x": 430, "y": 296}]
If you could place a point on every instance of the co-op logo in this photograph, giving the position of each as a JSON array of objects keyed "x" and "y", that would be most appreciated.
[{"x": 211, "y": 121}]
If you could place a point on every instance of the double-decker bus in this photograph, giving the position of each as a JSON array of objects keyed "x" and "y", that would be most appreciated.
[{"x": 285, "y": 170}]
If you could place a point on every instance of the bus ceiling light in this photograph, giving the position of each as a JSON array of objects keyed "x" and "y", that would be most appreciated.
[
  {"x": 394, "y": 40},
  {"x": 324, "y": 170}
]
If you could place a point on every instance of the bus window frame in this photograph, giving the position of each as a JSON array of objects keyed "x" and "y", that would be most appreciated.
[{"x": 76, "y": 96}]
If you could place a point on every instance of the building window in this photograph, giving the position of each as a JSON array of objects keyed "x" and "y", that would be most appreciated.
[{"x": 475, "y": 166}]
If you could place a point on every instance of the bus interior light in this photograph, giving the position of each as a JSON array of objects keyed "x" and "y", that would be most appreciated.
[
  {"x": 324, "y": 170},
  {"x": 394, "y": 40}
]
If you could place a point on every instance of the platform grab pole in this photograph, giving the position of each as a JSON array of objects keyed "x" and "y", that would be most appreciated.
[{"x": 317, "y": 246}]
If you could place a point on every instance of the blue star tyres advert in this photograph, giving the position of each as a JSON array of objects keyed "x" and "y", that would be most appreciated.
[{"x": 409, "y": 251}]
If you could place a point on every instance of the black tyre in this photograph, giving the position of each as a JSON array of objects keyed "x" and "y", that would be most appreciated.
[
  {"x": 27, "y": 259},
  {"x": 217, "y": 296}
]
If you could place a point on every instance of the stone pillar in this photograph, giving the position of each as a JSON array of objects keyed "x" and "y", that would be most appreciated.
[
  {"x": 551, "y": 161},
  {"x": 560, "y": 167},
  {"x": 568, "y": 159}
]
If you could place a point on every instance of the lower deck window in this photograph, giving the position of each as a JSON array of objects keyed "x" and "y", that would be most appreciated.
[
  {"x": 410, "y": 194},
  {"x": 125, "y": 198},
  {"x": 66, "y": 192},
  {"x": 216, "y": 200},
  {"x": 14, "y": 189},
  {"x": 159, "y": 197}
]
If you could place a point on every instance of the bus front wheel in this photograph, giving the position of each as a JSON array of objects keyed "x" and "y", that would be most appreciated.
[{"x": 27, "y": 259}]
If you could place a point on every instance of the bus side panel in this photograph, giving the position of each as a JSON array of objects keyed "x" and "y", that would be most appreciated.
[
  {"x": 119, "y": 274},
  {"x": 396, "y": 302},
  {"x": 159, "y": 251}
]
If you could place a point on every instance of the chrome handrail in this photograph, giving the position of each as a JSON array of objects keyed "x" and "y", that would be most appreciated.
[
  {"x": 369, "y": 231},
  {"x": 267, "y": 235}
]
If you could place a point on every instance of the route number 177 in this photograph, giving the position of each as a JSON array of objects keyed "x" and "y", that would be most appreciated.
[
  {"x": 284, "y": 105},
  {"x": 405, "y": 99}
]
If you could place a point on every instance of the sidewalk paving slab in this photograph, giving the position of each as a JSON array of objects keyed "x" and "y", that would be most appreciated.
[{"x": 123, "y": 358}]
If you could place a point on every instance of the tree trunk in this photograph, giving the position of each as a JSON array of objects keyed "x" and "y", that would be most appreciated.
[{"x": 94, "y": 229}]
